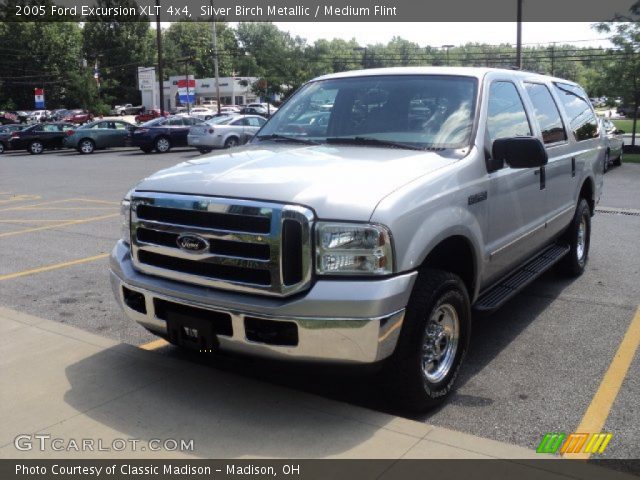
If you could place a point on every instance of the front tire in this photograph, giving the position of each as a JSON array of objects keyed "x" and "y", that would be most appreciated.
[
  {"x": 1, "y": 148},
  {"x": 146, "y": 149},
  {"x": 433, "y": 342},
  {"x": 86, "y": 146},
  {"x": 204, "y": 149},
  {"x": 578, "y": 236},
  {"x": 36, "y": 147},
  {"x": 605, "y": 169},
  {"x": 618, "y": 161}
]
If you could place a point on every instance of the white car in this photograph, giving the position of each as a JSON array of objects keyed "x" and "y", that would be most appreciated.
[
  {"x": 202, "y": 113},
  {"x": 38, "y": 116},
  {"x": 270, "y": 108},
  {"x": 224, "y": 132}
]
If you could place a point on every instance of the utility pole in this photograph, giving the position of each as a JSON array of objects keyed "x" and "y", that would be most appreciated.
[
  {"x": 186, "y": 77},
  {"x": 215, "y": 60},
  {"x": 159, "y": 46},
  {"x": 519, "y": 37},
  {"x": 447, "y": 47}
]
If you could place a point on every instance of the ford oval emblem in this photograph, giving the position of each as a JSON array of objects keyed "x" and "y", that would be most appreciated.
[{"x": 192, "y": 243}]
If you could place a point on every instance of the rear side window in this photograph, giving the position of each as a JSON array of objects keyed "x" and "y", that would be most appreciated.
[
  {"x": 582, "y": 120},
  {"x": 546, "y": 112},
  {"x": 506, "y": 116}
]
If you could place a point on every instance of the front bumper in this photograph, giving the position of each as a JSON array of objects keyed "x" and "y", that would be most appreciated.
[{"x": 344, "y": 321}]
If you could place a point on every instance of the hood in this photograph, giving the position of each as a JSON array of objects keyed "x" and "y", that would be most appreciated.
[{"x": 337, "y": 182}]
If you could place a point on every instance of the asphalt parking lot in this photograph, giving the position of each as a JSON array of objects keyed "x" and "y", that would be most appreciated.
[{"x": 534, "y": 367}]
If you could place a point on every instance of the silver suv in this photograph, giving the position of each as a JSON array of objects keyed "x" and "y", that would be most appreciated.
[{"x": 367, "y": 220}]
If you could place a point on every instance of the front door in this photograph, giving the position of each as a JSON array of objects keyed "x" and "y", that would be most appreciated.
[{"x": 516, "y": 196}]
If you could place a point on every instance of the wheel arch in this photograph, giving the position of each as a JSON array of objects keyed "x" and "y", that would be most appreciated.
[{"x": 587, "y": 191}]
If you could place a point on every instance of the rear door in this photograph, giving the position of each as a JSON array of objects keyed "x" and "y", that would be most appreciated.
[
  {"x": 559, "y": 173},
  {"x": 253, "y": 124}
]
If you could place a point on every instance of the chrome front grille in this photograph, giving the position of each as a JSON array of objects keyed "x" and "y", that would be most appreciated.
[{"x": 239, "y": 245}]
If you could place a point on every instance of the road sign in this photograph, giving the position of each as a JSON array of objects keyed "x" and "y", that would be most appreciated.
[{"x": 39, "y": 97}]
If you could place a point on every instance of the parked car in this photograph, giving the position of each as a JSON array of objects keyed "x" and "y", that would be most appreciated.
[
  {"x": 21, "y": 115},
  {"x": 5, "y": 135},
  {"x": 7, "y": 118},
  {"x": 98, "y": 135},
  {"x": 127, "y": 109},
  {"x": 224, "y": 132},
  {"x": 370, "y": 242},
  {"x": 38, "y": 116},
  {"x": 271, "y": 109},
  {"x": 615, "y": 144},
  {"x": 149, "y": 115},
  {"x": 78, "y": 117},
  {"x": 626, "y": 110},
  {"x": 36, "y": 138},
  {"x": 202, "y": 113},
  {"x": 58, "y": 115},
  {"x": 162, "y": 134},
  {"x": 177, "y": 111},
  {"x": 258, "y": 110}
]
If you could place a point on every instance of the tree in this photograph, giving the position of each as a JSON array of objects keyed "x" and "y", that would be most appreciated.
[
  {"x": 194, "y": 41},
  {"x": 624, "y": 75},
  {"x": 119, "y": 47}
]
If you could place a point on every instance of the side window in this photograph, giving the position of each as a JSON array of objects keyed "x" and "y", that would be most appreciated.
[
  {"x": 120, "y": 126},
  {"x": 547, "y": 113},
  {"x": 177, "y": 121},
  {"x": 51, "y": 128},
  {"x": 506, "y": 116},
  {"x": 582, "y": 120},
  {"x": 253, "y": 122},
  {"x": 238, "y": 122}
]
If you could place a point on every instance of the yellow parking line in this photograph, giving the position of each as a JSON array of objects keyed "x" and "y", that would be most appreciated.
[
  {"x": 596, "y": 415},
  {"x": 64, "y": 208},
  {"x": 55, "y": 266},
  {"x": 56, "y": 225},
  {"x": 34, "y": 205},
  {"x": 94, "y": 200},
  {"x": 21, "y": 198},
  {"x": 7, "y": 220},
  {"x": 154, "y": 345}
]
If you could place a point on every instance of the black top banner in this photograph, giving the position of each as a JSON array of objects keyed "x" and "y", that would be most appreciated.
[{"x": 321, "y": 10}]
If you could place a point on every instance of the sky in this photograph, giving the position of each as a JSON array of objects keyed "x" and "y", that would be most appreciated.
[{"x": 438, "y": 34}]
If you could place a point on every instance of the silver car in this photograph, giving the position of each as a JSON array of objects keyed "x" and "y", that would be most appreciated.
[{"x": 224, "y": 132}]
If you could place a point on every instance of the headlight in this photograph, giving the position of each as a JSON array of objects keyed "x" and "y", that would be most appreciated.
[
  {"x": 125, "y": 214},
  {"x": 353, "y": 249}
]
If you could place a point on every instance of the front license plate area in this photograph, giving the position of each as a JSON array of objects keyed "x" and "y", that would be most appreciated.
[{"x": 193, "y": 333}]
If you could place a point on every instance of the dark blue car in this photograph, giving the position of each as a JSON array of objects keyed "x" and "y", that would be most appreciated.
[{"x": 161, "y": 134}]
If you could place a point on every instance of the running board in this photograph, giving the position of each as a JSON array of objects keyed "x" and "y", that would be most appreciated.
[{"x": 507, "y": 288}]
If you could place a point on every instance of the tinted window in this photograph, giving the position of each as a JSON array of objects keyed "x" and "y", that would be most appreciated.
[
  {"x": 176, "y": 121},
  {"x": 506, "y": 116},
  {"x": 51, "y": 128},
  {"x": 546, "y": 112},
  {"x": 582, "y": 120},
  {"x": 238, "y": 122},
  {"x": 253, "y": 122}
]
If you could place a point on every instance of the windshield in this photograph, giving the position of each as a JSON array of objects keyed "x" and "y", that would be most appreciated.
[{"x": 421, "y": 111}]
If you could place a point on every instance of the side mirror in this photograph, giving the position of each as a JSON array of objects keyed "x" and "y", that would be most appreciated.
[{"x": 520, "y": 152}]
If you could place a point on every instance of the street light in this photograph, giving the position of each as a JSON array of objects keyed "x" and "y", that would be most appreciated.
[{"x": 448, "y": 47}]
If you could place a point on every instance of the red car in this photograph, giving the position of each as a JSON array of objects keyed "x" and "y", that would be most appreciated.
[
  {"x": 78, "y": 117},
  {"x": 149, "y": 115}
]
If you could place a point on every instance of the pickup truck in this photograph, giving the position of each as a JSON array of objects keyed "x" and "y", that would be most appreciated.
[
  {"x": 127, "y": 109},
  {"x": 429, "y": 195}
]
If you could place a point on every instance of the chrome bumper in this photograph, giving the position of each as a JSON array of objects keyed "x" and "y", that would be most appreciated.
[{"x": 337, "y": 321}]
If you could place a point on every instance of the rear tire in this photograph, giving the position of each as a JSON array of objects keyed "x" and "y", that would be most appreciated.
[
  {"x": 204, "y": 150},
  {"x": 2, "y": 148},
  {"x": 578, "y": 236},
  {"x": 162, "y": 145},
  {"x": 231, "y": 142},
  {"x": 433, "y": 342}
]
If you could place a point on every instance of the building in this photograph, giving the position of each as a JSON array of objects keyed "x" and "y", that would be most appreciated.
[{"x": 233, "y": 90}]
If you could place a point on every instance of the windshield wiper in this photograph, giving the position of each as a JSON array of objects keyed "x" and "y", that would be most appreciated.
[
  {"x": 286, "y": 138},
  {"x": 372, "y": 141}
]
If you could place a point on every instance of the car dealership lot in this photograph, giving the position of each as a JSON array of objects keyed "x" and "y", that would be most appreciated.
[{"x": 533, "y": 367}]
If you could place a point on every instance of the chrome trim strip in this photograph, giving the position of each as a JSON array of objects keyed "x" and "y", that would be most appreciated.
[{"x": 516, "y": 240}]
